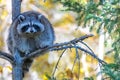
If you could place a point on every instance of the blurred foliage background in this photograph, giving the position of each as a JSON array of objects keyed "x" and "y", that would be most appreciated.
[{"x": 71, "y": 19}]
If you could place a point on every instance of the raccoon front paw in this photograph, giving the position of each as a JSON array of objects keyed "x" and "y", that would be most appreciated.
[{"x": 44, "y": 45}]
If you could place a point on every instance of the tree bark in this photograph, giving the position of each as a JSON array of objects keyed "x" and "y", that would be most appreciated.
[
  {"x": 16, "y": 8},
  {"x": 17, "y": 66},
  {"x": 18, "y": 62}
]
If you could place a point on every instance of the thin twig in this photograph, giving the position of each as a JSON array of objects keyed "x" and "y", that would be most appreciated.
[
  {"x": 74, "y": 63},
  {"x": 90, "y": 49},
  {"x": 78, "y": 58},
  {"x": 57, "y": 63},
  {"x": 78, "y": 69},
  {"x": 110, "y": 51},
  {"x": 82, "y": 49},
  {"x": 86, "y": 46}
]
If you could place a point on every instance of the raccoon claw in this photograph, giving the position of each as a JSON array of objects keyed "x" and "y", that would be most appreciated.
[{"x": 27, "y": 52}]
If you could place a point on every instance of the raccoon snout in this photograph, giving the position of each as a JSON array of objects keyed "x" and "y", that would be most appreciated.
[{"x": 31, "y": 31}]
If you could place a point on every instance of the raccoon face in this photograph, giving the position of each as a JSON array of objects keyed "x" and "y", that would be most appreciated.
[{"x": 29, "y": 26}]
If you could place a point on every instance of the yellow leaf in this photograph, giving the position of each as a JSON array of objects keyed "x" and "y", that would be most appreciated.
[
  {"x": 4, "y": 14},
  {"x": 1, "y": 69},
  {"x": 69, "y": 73},
  {"x": 45, "y": 77},
  {"x": 1, "y": 42},
  {"x": 32, "y": 1},
  {"x": 9, "y": 68}
]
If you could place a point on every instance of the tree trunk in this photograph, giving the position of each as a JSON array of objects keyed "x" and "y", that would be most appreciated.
[
  {"x": 16, "y": 8},
  {"x": 17, "y": 65}
]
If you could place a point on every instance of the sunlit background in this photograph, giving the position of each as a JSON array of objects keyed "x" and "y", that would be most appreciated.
[{"x": 66, "y": 29}]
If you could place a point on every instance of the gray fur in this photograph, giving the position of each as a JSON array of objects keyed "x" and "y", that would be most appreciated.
[{"x": 28, "y": 42}]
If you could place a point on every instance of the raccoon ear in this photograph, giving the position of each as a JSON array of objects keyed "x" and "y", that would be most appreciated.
[
  {"x": 21, "y": 18},
  {"x": 40, "y": 16}
]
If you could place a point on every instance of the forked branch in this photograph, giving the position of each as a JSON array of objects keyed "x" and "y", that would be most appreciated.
[
  {"x": 65, "y": 45},
  {"x": 55, "y": 47}
]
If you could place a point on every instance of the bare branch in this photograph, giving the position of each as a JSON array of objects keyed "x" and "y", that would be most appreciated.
[
  {"x": 82, "y": 49},
  {"x": 55, "y": 46},
  {"x": 110, "y": 51},
  {"x": 74, "y": 63},
  {"x": 57, "y": 63},
  {"x": 78, "y": 58},
  {"x": 6, "y": 56}
]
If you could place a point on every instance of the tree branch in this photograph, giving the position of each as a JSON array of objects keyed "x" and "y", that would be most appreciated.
[
  {"x": 65, "y": 45},
  {"x": 82, "y": 49},
  {"x": 18, "y": 62},
  {"x": 6, "y": 56},
  {"x": 57, "y": 63},
  {"x": 42, "y": 51}
]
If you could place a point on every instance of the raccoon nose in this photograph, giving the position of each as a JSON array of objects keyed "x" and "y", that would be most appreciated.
[{"x": 31, "y": 31}]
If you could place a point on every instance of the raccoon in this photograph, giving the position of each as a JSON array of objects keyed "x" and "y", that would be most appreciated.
[{"x": 30, "y": 31}]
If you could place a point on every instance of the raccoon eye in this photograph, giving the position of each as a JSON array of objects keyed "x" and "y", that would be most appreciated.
[
  {"x": 36, "y": 27},
  {"x": 24, "y": 28}
]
